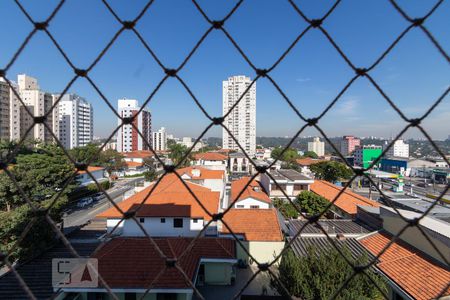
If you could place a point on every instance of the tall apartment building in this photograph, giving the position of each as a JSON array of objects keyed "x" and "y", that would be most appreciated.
[
  {"x": 348, "y": 144},
  {"x": 398, "y": 149},
  {"x": 38, "y": 103},
  {"x": 317, "y": 146},
  {"x": 4, "y": 110},
  {"x": 160, "y": 140},
  {"x": 242, "y": 120},
  {"x": 128, "y": 138},
  {"x": 75, "y": 120}
]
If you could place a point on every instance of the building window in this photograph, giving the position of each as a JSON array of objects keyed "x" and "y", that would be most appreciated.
[
  {"x": 239, "y": 206},
  {"x": 141, "y": 220},
  {"x": 254, "y": 206},
  {"x": 178, "y": 223},
  {"x": 130, "y": 296},
  {"x": 195, "y": 220},
  {"x": 163, "y": 220}
]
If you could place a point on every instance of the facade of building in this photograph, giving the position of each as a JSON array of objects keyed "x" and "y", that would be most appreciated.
[
  {"x": 252, "y": 197},
  {"x": 290, "y": 181},
  {"x": 76, "y": 121},
  {"x": 399, "y": 148},
  {"x": 317, "y": 146},
  {"x": 242, "y": 120},
  {"x": 188, "y": 142},
  {"x": 84, "y": 178},
  {"x": 211, "y": 160},
  {"x": 239, "y": 165},
  {"x": 348, "y": 144},
  {"x": 160, "y": 139},
  {"x": 365, "y": 155},
  {"x": 4, "y": 110},
  {"x": 128, "y": 138},
  {"x": 38, "y": 103}
]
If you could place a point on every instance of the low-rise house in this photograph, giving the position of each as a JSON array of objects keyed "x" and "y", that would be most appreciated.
[
  {"x": 252, "y": 197},
  {"x": 135, "y": 267},
  {"x": 259, "y": 231},
  {"x": 412, "y": 267},
  {"x": 166, "y": 209},
  {"x": 239, "y": 165},
  {"x": 290, "y": 181},
  {"x": 346, "y": 204},
  {"x": 215, "y": 180},
  {"x": 211, "y": 160},
  {"x": 97, "y": 172},
  {"x": 305, "y": 163}
]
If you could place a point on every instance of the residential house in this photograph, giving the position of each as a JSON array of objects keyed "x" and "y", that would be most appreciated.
[
  {"x": 290, "y": 181},
  {"x": 84, "y": 178},
  {"x": 240, "y": 165},
  {"x": 211, "y": 160},
  {"x": 252, "y": 197},
  {"x": 305, "y": 163}
]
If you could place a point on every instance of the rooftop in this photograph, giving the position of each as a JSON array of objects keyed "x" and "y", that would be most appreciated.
[
  {"x": 332, "y": 227},
  {"x": 307, "y": 161},
  {"x": 254, "y": 190},
  {"x": 414, "y": 272},
  {"x": 172, "y": 197},
  {"x": 254, "y": 224},
  {"x": 91, "y": 169},
  {"x": 196, "y": 172},
  {"x": 419, "y": 205},
  {"x": 347, "y": 201},
  {"x": 133, "y": 164},
  {"x": 140, "y": 270},
  {"x": 213, "y": 156},
  {"x": 138, "y": 154},
  {"x": 289, "y": 175}
]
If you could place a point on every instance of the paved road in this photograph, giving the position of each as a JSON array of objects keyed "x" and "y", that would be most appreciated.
[{"x": 80, "y": 216}]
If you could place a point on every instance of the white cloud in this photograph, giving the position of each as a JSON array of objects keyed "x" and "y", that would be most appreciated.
[{"x": 301, "y": 80}]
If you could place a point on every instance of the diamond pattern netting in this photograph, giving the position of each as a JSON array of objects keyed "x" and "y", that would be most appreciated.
[{"x": 219, "y": 25}]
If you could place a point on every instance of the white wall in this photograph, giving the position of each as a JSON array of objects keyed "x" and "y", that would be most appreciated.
[
  {"x": 247, "y": 203},
  {"x": 216, "y": 185},
  {"x": 85, "y": 179},
  {"x": 154, "y": 227}
]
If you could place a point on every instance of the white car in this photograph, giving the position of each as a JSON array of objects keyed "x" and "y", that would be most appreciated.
[{"x": 84, "y": 202}]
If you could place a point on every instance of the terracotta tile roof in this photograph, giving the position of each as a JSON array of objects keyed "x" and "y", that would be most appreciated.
[
  {"x": 135, "y": 262},
  {"x": 138, "y": 154},
  {"x": 254, "y": 190},
  {"x": 91, "y": 169},
  {"x": 210, "y": 156},
  {"x": 347, "y": 201},
  {"x": 133, "y": 164},
  {"x": 254, "y": 224},
  {"x": 203, "y": 173},
  {"x": 307, "y": 161},
  {"x": 414, "y": 272},
  {"x": 171, "y": 192}
]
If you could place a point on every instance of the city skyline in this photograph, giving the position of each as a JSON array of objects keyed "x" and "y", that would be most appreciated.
[{"x": 311, "y": 74}]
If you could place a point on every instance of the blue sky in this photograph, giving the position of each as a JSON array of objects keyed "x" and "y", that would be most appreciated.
[{"x": 413, "y": 75}]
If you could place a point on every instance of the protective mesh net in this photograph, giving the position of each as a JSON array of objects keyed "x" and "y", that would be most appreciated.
[{"x": 41, "y": 27}]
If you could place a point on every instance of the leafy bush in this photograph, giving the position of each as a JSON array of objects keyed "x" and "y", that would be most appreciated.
[
  {"x": 310, "y": 203},
  {"x": 286, "y": 208}
]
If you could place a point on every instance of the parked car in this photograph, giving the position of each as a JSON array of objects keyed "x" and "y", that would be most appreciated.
[
  {"x": 85, "y": 202},
  {"x": 99, "y": 196}
]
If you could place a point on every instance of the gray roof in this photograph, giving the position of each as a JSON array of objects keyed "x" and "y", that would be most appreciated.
[
  {"x": 419, "y": 205},
  {"x": 288, "y": 174},
  {"x": 301, "y": 246},
  {"x": 332, "y": 227},
  {"x": 236, "y": 154}
]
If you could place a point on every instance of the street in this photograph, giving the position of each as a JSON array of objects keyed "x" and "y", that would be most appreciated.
[{"x": 80, "y": 216}]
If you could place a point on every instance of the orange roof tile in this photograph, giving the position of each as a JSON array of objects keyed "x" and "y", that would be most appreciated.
[
  {"x": 133, "y": 164},
  {"x": 210, "y": 156},
  {"x": 254, "y": 224},
  {"x": 347, "y": 201},
  {"x": 140, "y": 262},
  {"x": 91, "y": 169},
  {"x": 204, "y": 173},
  {"x": 254, "y": 190},
  {"x": 138, "y": 154},
  {"x": 416, "y": 273},
  {"x": 174, "y": 195},
  {"x": 307, "y": 161}
]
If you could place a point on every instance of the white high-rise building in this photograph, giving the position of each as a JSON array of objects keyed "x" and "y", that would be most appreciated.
[
  {"x": 242, "y": 120},
  {"x": 38, "y": 103},
  {"x": 128, "y": 137},
  {"x": 398, "y": 149},
  {"x": 75, "y": 118},
  {"x": 317, "y": 146},
  {"x": 160, "y": 140}
]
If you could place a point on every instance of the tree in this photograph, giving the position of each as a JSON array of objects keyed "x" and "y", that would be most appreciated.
[
  {"x": 310, "y": 203},
  {"x": 177, "y": 153},
  {"x": 331, "y": 171},
  {"x": 85, "y": 154},
  {"x": 320, "y": 273},
  {"x": 111, "y": 160},
  {"x": 286, "y": 208},
  {"x": 290, "y": 155},
  {"x": 311, "y": 154}
]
